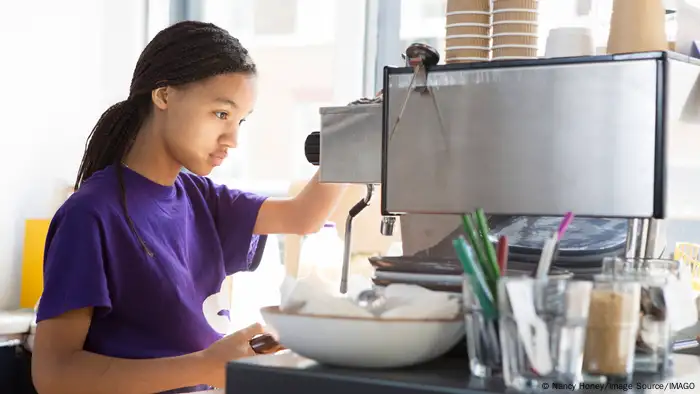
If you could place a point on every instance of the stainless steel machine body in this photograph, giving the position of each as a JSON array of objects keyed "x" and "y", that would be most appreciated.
[
  {"x": 604, "y": 136},
  {"x": 608, "y": 136},
  {"x": 351, "y": 142}
]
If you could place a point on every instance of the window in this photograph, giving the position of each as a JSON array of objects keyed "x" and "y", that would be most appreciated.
[
  {"x": 433, "y": 9},
  {"x": 423, "y": 21},
  {"x": 157, "y": 17},
  {"x": 236, "y": 16},
  {"x": 425, "y": 18},
  {"x": 275, "y": 17},
  {"x": 320, "y": 64}
]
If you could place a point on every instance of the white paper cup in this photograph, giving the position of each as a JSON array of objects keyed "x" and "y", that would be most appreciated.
[{"x": 570, "y": 41}]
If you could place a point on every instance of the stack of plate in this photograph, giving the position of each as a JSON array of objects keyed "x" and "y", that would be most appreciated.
[
  {"x": 586, "y": 243},
  {"x": 582, "y": 249},
  {"x": 435, "y": 274}
]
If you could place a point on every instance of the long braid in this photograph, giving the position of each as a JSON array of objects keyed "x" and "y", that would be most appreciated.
[{"x": 183, "y": 53}]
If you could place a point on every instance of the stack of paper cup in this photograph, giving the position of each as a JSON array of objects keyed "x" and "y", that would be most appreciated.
[
  {"x": 514, "y": 29},
  {"x": 467, "y": 31}
]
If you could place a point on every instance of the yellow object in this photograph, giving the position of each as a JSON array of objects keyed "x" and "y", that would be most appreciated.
[
  {"x": 689, "y": 254},
  {"x": 35, "y": 232}
]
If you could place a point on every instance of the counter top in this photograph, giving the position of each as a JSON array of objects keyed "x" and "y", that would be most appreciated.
[{"x": 289, "y": 373}]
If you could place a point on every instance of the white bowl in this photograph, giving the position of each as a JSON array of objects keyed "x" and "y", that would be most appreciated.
[{"x": 364, "y": 342}]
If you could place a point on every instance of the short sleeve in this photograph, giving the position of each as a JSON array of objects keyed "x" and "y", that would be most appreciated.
[
  {"x": 235, "y": 213},
  {"x": 74, "y": 267}
]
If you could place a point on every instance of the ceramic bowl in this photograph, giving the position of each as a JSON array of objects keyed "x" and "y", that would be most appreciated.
[{"x": 364, "y": 342}]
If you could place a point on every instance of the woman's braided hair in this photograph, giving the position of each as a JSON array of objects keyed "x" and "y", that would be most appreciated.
[{"x": 182, "y": 53}]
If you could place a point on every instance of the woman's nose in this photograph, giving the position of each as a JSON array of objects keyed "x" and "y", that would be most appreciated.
[{"x": 230, "y": 138}]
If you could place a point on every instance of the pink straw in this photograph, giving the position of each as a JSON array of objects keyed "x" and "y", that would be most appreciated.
[{"x": 568, "y": 218}]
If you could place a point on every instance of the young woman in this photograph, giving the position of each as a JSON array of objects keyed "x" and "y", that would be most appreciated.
[{"x": 136, "y": 257}]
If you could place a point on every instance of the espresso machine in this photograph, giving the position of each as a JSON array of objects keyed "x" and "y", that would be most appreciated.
[{"x": 604, "y": 137}]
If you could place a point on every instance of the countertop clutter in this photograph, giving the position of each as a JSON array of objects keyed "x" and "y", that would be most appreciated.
[{"x": 293, "y": 374}]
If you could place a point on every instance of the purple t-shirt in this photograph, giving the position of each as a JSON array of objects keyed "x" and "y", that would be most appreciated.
[{"x": 171, "y": 304}]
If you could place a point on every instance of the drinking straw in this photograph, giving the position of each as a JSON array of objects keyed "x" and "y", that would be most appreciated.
[{"x": 476, "y": 277}]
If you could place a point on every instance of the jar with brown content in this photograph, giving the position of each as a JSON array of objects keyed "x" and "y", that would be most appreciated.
[{"x": 613, "y": 322}]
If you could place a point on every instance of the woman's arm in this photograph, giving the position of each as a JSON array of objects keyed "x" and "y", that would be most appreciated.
[
  {"x": 75, "y": 286},
  {"x": 306, "y": 213},
  {"x": 61, "y": 366}
]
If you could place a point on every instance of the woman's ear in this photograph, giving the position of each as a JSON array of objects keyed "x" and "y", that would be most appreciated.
[{"x": 160, "y": 97}]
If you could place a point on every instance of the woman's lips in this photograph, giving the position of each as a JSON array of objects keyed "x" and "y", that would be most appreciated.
[{"x": 218, "y": 158}]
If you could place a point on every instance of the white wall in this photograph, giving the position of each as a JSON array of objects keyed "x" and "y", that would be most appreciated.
[{"x": 62, "y": 64}]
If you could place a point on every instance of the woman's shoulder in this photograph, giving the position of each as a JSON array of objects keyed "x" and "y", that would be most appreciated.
[{"x": 95, "y": 198}]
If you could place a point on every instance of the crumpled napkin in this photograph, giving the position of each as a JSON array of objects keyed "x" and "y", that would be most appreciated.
[{"x": 401, "y": 301}]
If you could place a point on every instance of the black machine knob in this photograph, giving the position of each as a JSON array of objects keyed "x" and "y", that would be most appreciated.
[{"x": 312, "y": 148}]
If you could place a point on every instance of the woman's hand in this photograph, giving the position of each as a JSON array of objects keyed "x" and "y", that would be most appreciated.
[{"x": 229, "y": 348}]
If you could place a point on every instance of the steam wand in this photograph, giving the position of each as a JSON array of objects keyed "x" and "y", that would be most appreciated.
[{"x": 354, "y": 211}]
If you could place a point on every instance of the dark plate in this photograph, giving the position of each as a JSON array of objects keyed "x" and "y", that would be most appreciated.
[
  {"x": 584, "y": 236},
  {"x": 440, "y": 266},
  {"x": 446, "y": 287},
  {"x": 437, "y": 266},
  {"x": 457, "y": 288},
  {"x": 569, "y": 261}
]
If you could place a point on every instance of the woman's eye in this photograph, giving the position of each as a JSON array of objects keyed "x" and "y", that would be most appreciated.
[{"x": 221, "y": 115}]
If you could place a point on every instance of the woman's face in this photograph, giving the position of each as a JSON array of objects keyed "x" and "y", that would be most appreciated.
[{"x": 200, "y": 121}]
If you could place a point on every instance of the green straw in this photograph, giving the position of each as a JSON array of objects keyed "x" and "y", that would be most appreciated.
[
  {"x": 478, "y": 248},
  {"x": 476, "y": 278},
  {"x": 491, "y": 259}
]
